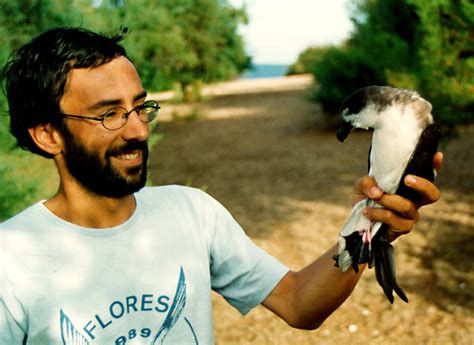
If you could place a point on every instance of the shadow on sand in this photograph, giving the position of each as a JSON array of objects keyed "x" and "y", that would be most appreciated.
[{"x": 257, "y": 163}]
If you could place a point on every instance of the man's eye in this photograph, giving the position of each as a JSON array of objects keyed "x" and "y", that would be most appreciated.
[{"x": 112, "y": 113}]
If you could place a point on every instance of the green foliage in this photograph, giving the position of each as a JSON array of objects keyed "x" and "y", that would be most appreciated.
[
  {"x": 340, "y": 74},
  {"x": 306, "y": 60},
  {"x": 19, "y": 21},
  {"x": 23, "y": 178},
  {"x": 419, "y": 44},
  {"x": 446, "y": 58},
  {"x": 17, "y": 190},
  {"x": 185, "y": 42}
]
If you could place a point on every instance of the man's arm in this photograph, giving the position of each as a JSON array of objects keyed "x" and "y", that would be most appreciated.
[{"x": 304, "y": 299}]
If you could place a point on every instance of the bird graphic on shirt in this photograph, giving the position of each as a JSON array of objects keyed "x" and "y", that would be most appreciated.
[
  {"x": 70, "y": 335},
  {"x": 404, "y": 141}
]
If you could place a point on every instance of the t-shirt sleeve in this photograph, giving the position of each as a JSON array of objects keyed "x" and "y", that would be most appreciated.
[{"x": 243, "y": 273}]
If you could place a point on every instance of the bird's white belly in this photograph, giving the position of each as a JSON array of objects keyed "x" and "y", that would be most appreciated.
[{"x": 388, "y": 160}]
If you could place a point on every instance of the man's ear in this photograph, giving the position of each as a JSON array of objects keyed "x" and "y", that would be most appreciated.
[{"x": 47, "y": 138}]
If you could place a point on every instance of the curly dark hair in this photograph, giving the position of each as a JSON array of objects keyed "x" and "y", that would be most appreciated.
[{"x": 36, "y": 75}]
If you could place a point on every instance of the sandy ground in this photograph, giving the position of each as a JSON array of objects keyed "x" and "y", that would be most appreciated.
[{"x": 269, "y": 156}]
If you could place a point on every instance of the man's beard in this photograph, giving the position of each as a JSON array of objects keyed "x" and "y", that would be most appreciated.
[{"x": 98, "y": 175}]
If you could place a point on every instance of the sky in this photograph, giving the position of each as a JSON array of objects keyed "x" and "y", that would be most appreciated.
[{"x": 279, "y": 30}]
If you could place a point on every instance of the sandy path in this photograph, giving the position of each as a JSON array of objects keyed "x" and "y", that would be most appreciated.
[{"x": 261, "y": 149}]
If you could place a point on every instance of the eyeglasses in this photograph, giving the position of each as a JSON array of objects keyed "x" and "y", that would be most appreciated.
[{"x": 117, "y": 117}]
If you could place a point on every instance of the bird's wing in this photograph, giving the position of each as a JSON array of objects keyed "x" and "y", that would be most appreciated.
[
  {"x": 175, "y": 310},
  {"x": 421, "y": 161},
  {"x": 69, "y": 334}
]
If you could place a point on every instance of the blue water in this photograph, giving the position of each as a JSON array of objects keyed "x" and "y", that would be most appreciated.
[{"x": 265, "y": 71}]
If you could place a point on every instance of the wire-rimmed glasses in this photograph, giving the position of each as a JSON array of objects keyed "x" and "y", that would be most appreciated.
[{"x": 116, "y": 118}]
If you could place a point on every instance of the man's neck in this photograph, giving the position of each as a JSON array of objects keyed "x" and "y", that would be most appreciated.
[{"x": 91, "y": 211}]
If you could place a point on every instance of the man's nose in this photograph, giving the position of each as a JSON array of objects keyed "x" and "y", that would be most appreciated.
[{"x": 135, "y": 129}]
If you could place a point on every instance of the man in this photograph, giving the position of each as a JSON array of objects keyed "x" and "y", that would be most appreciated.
[{"x": 107, "y": 261}]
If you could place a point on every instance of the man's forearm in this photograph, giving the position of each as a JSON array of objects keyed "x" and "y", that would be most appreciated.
[
  {"x": 321, "y": 288},
  {"x": 304, "y": 299}
]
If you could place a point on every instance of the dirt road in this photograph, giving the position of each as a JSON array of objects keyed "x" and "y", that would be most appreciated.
[{"x": 265, "y": 152}]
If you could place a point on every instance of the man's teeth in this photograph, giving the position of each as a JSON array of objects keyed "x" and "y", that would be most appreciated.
[{"x": 128, "y": 156}]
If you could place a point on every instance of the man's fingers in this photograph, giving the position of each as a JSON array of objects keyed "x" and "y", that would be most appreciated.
[
  {"x": 428, "y": 191},
  {"x": 398, "y": 225},
  {"x": 401, "y": 206},
  {"x": 438, "y": 161},
  {"x": 366, "y": 187},
  {"x": 395, "y": 211}
]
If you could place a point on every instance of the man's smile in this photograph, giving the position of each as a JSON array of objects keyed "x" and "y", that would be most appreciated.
[
  {"x": 130, "y": 156},
  {"x": 130, "y": 160}
]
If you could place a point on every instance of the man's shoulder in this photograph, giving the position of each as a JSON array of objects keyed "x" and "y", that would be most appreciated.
[
  {"x": 16, "y": 229},
  {"x": 28, "y": 215},
  {"x": 170, "y": 192},
  {"x": 176, "y": 196}
]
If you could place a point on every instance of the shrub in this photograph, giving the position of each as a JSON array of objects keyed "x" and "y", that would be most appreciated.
[{"x": 415, "y": 44}]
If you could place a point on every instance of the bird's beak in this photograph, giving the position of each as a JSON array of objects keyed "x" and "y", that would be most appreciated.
[{"x": 344, "y": 131}]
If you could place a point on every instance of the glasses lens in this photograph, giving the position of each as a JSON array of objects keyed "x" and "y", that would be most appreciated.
[
  {"x": 149, "y": 111},
  {"x": 115, "y": 118}
]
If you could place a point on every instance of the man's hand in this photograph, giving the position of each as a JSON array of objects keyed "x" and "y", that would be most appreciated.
[{"x": 399, "y": 213}]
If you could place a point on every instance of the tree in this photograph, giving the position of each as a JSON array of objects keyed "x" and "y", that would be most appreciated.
[
  {"x": 306, "y": 59},
  {"x": 211, "y": 49},
  {"x": 186, "y": 41},
  {"x": 419, "y": 44},
  {"x": 445, "y": 56},
  {"x": 19, "y": 21}
]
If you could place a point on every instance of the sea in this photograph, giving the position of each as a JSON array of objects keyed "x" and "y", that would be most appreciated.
[{"x": 264, "y": 71}]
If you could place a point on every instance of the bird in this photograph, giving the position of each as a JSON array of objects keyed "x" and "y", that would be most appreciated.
[{"x": 404, "y": 140}]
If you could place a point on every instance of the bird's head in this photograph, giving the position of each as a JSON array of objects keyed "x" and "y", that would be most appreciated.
[
  {"x": 352, "y": 112},
  {"x": 364, "y": 108}
]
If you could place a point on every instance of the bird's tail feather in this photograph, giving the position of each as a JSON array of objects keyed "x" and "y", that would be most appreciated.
[
  {"x": 378, "y": 252},
  {"x": 353, "y": 250},
  {"x": 352, "y": 253},
  {"x": 385, "y": 271}
]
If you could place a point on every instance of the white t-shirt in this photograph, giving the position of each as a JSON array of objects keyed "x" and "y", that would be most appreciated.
[{"x": 147, "y": 281}]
